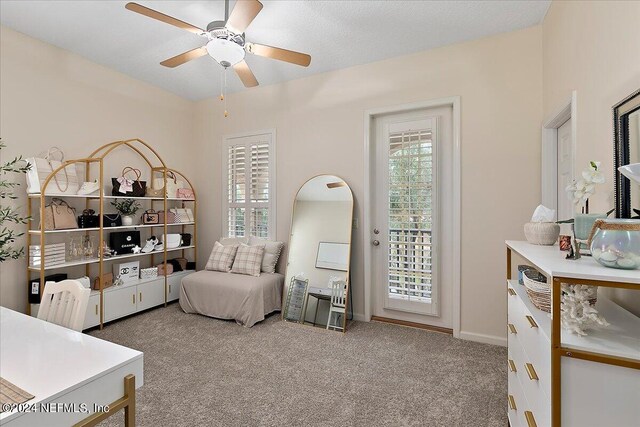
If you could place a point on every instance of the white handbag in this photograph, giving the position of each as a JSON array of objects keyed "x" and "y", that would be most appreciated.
[
  {"x": 182, "y": 214},
  {"x": 173, "y": 184},
  {"x": 63, "y": 182}
]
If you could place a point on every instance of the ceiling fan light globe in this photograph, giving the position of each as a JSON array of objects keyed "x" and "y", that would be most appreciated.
[{"x": 225, "y": 52}]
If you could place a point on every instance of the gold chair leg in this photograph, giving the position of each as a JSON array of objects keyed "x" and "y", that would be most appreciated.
[{"x": 130, "y": 393}]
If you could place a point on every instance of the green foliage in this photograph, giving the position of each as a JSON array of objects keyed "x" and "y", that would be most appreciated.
[
  {"x": 126, "y": 206},
  {"x": 8, "y": 215}
]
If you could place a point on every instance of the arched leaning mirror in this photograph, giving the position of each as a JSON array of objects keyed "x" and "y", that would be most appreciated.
[{"x": 316, "y": 290}]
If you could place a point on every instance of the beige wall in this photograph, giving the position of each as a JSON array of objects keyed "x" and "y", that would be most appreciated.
[
  {"x": 51, "y": 97},
  {"x": 593, "y": 47},
  {"x": 320, "y": 129}
]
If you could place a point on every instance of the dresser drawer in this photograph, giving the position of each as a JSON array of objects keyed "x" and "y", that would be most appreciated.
[
  {"x": 537, "y": 348},
  {"x": 516, "y": 402}
]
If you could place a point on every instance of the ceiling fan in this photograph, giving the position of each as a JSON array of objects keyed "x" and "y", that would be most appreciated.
[{"x": 226, "y": 40}]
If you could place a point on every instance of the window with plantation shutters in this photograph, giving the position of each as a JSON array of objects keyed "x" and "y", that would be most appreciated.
[{"x": 249, "y": 186}]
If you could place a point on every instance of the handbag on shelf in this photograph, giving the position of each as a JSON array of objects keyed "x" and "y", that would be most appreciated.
[
  {"x": 58, "y": 215},
  {"x": 88, "y": 219},
  {"x": 186, "y": 239},
  {"x": 107, "y": 280},
  {"x": 185, "y": 193},
  {"x": 182, "y": 214},
  {"x": 123, "y": 186},
  {"x": 165, "y": 269},
  {"x": 169, "y": 217},
  {"x": 173, "y": 184},
  {"x": 150, "y": 217},
  {"x": 111, "y": 220},
  {"x": 64, "y": 181},
  {"x": 152, "y": 192}
]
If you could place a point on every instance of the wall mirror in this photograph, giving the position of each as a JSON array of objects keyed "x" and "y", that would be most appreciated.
[
  {"x": 316, "y": 290},
  {"x": 626, "y": 130}
]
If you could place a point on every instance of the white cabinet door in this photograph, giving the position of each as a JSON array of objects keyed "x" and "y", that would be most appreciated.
[
  {"x": 150, "y": 294},
  {"x": 92, "y": 318},
  {"x": 173, "y": 284},
  {"x": 119, "y": 303}
]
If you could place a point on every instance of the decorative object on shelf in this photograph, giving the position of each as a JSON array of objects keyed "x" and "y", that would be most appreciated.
[
  {"x": 127, "y": 272},
  {"x": 165, "y": 269},
  {"x": 173, "y": 184},
  {"x": 107, "y": 281},
  {"x": 149, "y": 273},
  {"x": 58, "y": 215},
  {"x": 565, "y": 243},
  {"x": 88, "y": 247},
  {"x": 88, "y": 219},
  {"x": 185, "y": 193},
  {"x": 538, "y": 290},
  {"x": 89, "y": 187},
  {"x": 150, "y": 216},
  {"x": 9, "y": 214},
  {"x": 577, "y": 309},
  {"x": 127, "y": 209},
  {"x": 182, "y": 215},
  {"x": 124, "y": 241},
  {"x": 111, "y": 220},
  {"x": 136, "y": 249},
  {"x": 574, "y": 250},
  {"x": 580, "y": 190},
  {"x": 167, "y": 218},
  {"x": 132, "y": 187},
  {"x": 615, "y": 243},
  {"x": 65, "y": 181},
  {"x": 542, "y": 230}
]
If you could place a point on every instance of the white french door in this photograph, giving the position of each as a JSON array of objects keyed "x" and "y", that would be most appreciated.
[{"x": 411, "y": 199}]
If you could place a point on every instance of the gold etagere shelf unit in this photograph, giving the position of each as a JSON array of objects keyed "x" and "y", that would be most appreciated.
[{"x": 97, "y": 159}]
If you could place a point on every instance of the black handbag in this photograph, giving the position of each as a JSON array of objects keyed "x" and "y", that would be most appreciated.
[
  {"x": 88, "y": 219},
  {"x": 111, "y": 220},
  {"x": 186, "y": 239},
  {"x": 138, "y": 189},
  {"x": 123, "y": 242}
]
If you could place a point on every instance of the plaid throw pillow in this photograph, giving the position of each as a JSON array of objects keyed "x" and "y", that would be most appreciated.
[
  {"x": 248, "y": 260},
  {"x": 221, "y": 258}
]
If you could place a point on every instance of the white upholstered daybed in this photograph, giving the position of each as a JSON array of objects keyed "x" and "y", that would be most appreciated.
[{"x": 244, "y": 288}]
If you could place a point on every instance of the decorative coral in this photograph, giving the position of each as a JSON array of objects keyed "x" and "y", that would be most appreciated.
[{"x": 576, "y": 312}]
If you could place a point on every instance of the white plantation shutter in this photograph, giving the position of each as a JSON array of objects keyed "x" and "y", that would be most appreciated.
[
  {"x": 411, "y": 207},
  {"x": 249, "y": 188}
]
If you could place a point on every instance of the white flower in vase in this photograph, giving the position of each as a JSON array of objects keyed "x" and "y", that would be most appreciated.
[{"x": 579, "y": 191}]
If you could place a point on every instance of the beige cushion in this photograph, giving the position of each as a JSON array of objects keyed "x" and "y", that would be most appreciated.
[
  {"x": 272, "y": 251},
  {"x": 227, "y": 241},
  {"x": 248, "y": 260},
  {"x": 221, "y": 258}
]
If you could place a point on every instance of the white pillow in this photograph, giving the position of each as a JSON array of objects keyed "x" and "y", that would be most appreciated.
[
  {"x": 228, "y": 241},
  {"x": 272, "y": 251}
]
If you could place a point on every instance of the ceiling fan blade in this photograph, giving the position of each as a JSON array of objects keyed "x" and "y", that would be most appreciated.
[
  {"x": 184, "y": 57},
  {"x": 245, "y": 74},
  {"x": 280, "y": 54},
  {"x": 242, "y": 14},
  {"x": 135, "y": 7}
]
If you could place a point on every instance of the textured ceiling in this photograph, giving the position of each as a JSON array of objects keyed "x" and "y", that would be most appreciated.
[{"x": 337, "y": 34}]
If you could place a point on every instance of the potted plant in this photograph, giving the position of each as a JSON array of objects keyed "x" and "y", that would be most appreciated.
[
  {"x": 127, "y": 209},
  {"x": 8, "y": 213}
]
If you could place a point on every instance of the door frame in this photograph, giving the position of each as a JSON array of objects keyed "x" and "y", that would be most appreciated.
[
  {"x": 549, "y": 175},
  {"x": 369, "y": 129}
]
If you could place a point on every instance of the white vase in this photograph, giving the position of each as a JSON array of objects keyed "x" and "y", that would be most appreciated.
[{"x": 127, "y": 220}]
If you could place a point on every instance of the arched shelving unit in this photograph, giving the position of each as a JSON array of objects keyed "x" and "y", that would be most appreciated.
[{"x": 94, "y": 168}]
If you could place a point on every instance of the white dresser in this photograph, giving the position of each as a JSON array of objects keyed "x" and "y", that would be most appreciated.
[{"x": 596, "y": 379}]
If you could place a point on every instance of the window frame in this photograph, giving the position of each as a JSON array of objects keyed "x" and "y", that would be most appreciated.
[{"x": 247, "y": 139}]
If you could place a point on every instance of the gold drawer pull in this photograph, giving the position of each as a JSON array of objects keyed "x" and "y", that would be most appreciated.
[
  {"x": 532, "y": 322},
  {"x": 169, "y": 288},
  {"x": 133, "y": 298},
  {"x": 531, "y": 422},
  {"x": 533, "y": 376},
  {"x": 512, "y": 403},
  {"x": 512, "y": 328},
  {"x": 512, "y": 366},
  {"x": 511, "y": 291},
  {"x": 96, "y": 309},
  {"x": 140, "y": 296}
]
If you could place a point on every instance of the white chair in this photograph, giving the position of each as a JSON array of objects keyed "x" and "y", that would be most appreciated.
[
  {"x": 64, "y": 303},
  {"x": 338, "y": 302}
]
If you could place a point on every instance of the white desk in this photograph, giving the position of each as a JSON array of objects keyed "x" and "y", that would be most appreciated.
[{"x": 59, "y": 365}]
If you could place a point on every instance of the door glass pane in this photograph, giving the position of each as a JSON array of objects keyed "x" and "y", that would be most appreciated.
[{"x": 410, "y": 215}]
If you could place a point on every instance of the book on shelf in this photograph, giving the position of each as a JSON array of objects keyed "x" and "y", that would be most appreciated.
[
  {"x": 48, "y": 254},
  {"x": 52, "y": 249}
]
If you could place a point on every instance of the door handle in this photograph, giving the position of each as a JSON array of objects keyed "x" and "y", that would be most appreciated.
[{"x": 376, "y": 243}]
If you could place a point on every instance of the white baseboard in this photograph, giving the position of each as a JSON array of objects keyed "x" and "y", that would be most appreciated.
[{"x": 485, "y": 339}]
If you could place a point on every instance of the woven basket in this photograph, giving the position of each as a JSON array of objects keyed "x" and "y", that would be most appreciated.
[{"x": 539, "y": 291}]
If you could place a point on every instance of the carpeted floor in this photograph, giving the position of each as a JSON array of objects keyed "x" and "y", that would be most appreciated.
[{"x": 208, "y": 372}]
